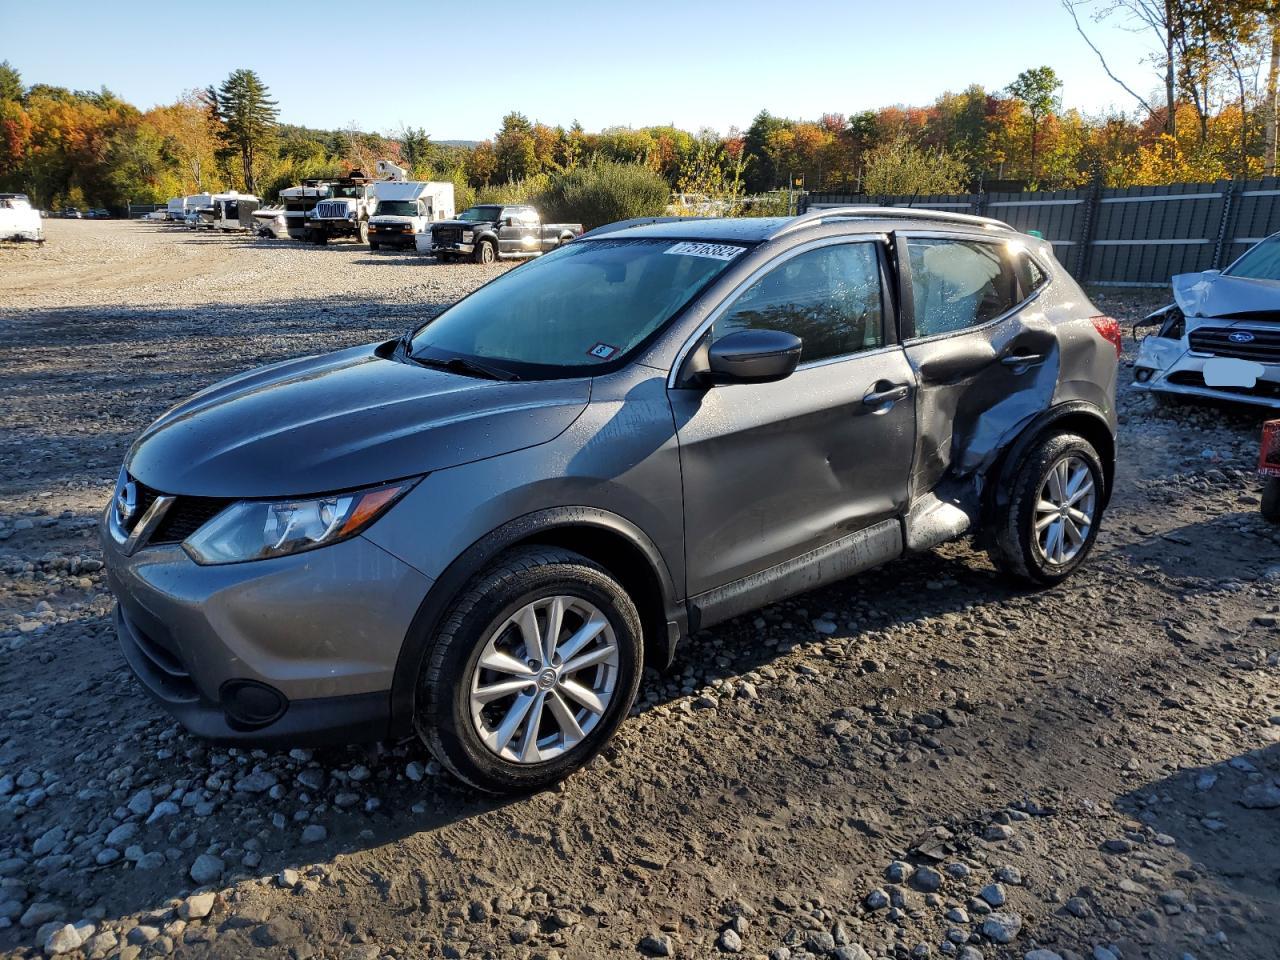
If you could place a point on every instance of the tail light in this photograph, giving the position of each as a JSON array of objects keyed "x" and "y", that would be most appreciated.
[{"x": 1109, "y": 329}]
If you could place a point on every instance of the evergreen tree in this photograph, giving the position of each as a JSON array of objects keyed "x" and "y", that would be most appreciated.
[{"x": 248, "y": 117}]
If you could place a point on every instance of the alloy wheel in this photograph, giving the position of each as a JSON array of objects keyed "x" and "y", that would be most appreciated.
[
  {"x": 1065, "y": 511},
  {"x": 545, "y": 678}
]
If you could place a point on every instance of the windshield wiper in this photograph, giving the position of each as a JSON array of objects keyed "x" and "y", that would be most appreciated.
[{"x": 465, "y": 366}]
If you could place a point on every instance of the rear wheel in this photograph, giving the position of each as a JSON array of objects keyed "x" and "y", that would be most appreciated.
[
  {"x": 535, "y": 666},
  {"x": 1052, "y": 518}
]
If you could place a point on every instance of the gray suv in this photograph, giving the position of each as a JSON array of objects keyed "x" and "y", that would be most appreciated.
[{"x": 484, "y": 530}]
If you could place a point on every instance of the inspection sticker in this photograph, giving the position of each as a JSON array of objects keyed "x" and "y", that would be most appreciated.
[
  {"x": 602, "y": 351},
  {"x": 716, "y": 251}
]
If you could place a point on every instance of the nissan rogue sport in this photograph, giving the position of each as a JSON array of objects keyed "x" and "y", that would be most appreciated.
[{"x": 481, "y": 532}]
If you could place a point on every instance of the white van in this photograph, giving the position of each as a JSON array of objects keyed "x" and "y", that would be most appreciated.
[{"x": 406, "y": 209}]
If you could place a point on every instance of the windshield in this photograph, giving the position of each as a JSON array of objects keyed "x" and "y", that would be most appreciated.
[
  {"x": 1260, "y": 263},
  {"x": 353, "y": 190},
  {"x": 481, "y": 213},
  {"x": 584, "y": 305},
  {"x": 397, "y": 208}
]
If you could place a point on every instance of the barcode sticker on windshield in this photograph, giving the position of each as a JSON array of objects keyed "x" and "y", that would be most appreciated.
[
  {"x": 602, "y": 351},
  {"x": 716, "y": 251}
]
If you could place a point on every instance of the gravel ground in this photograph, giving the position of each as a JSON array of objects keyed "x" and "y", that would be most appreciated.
[{"x": 917, "y": 762}]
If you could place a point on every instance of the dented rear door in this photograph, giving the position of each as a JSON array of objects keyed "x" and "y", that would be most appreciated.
[{"x": 985, "y": 357}]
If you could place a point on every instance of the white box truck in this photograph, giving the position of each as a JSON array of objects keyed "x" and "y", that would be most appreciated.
[{"x": 407, "y": 209}]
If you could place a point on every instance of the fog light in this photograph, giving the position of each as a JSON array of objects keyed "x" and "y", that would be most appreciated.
[
  {"x": 1143, "y": 374},
  {"x": 248, "y": 703}
]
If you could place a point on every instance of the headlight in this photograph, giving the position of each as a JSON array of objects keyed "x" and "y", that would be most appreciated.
[
  {"x": 468, "y": 235},
  {"x": 257, "y": 529}
]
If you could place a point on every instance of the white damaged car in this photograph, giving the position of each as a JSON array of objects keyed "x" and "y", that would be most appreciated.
[{"x": 1221, "y": 336}]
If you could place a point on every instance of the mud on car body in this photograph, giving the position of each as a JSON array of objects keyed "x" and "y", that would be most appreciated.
[
  {"x": 482, "y": 531},
  {"x": 1220, "y": 338}
]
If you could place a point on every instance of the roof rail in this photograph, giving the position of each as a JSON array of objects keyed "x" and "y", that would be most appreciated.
[{"x": 882, "y": 213}]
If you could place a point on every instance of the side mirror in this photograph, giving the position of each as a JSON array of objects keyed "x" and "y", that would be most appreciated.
[{"x": 753, "y": 356}]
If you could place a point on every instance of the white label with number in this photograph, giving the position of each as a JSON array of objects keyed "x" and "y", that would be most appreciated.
[{"x": 716, "y": 251}]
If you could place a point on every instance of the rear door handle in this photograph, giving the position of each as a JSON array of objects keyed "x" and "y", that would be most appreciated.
[
  {"x": 1025, "y": 361},
  {"x": 890, "y": 395}
]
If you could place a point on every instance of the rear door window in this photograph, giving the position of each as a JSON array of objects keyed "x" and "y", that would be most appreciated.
[
  {"x": 958, "y": 284},
  {"x": 829, "y": 297}
]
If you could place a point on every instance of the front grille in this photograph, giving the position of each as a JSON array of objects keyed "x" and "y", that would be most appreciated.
[
  {"x": 1264, "y": 347},
  {"x": 447, "y": 234},
  {"x": 187, "y": 515},
  {"x": 1191, "y": 378},
  {"x": 331, "y": 210},
  {"x": 184, "y": 517}
]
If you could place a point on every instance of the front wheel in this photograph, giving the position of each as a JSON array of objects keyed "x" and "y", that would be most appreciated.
[
  {"x": 362, "y": 231},
  {"x": 374, "y": 245},
  {"x": 534, "y": 668},
  {"x": 1051, "y": 521},
  {"x": 486, "y": 252}
]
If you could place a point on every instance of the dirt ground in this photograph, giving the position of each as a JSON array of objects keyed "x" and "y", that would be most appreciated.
[{"x": 917, "y": 762}]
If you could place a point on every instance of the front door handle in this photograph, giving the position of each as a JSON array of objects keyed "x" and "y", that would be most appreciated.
[
  {"x": 1022, "y": 361},
  {"x": 890, "y": 395}
]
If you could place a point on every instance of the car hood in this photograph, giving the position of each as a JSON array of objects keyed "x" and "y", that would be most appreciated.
[
  {"x": 343, "y": 420},
  {"x": 1215, "y": 295},
  {"x": 465, "y": 224}
]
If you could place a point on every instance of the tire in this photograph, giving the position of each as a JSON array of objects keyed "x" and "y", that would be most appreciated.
[
  {"x": 454, "y": 725},
  {"x": 1271, "y": 499},
  {"x": 486, "y": 252},
  {"x": 362, "y": 231},
  {"x": 373, "y": 245},
  {"x": 1015, "y": 547}
]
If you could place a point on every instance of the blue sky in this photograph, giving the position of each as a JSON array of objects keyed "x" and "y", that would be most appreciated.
[{"x": 456, "y": 68}]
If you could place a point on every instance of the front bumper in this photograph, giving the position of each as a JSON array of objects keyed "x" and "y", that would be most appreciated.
[
  {"x": 1170, "y": 368},
  {"x": 321, "y": 631},
  {"x": 457, "y": 249},
  {"x": 392, "y": 238}
]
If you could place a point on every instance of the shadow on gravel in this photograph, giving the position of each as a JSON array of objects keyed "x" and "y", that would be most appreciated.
[
  {"x": 1225, "y": 818},
  {"x": 1206, "y": 549}
]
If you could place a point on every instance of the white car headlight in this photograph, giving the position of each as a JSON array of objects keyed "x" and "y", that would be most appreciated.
[
  {"x": 468, "y": 236},
  {"x": 257, "y": 529}
]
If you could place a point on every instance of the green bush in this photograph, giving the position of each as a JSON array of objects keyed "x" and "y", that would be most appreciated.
[
  {"x": 514, "y": 191},
  {"x": 604, "y": 192}
]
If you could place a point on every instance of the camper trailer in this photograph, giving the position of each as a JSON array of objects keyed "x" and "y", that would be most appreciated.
[
  {"x": 178, "y": 207},
  {"x": 407, "y": 209},
  {"x": 229, "y": 211}
]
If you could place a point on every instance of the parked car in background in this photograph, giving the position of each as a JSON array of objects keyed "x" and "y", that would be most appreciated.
[
  {"x": 483, "y": 530},
  {"x": 18, "y": 220},
  {"x": 1220, "y": 338},
  {"x": 270, "y": 222},
  {"x": 71, "y": 213},
  {"x": 406, "y": 210},
  {"x": 491, "y": 231}
]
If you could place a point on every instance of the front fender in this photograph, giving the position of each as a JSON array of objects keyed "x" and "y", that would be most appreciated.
[{"x": 482, "y": 552}]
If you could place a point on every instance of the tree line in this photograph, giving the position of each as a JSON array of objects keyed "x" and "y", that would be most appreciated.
[{"x": 1213, "y": 116}]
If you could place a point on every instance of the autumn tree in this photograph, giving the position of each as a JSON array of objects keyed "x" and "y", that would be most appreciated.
[
  {"x": 1037, "y": 88},
  {"x": 248, "y": 116},
  {"x": 514, "y": 148}
]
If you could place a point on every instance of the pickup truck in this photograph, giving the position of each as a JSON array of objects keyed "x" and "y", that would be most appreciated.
[{"x": 489, "y": 231}]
